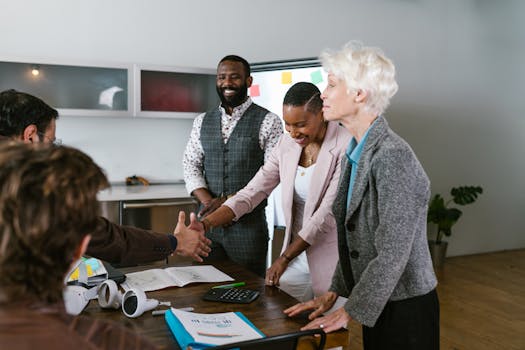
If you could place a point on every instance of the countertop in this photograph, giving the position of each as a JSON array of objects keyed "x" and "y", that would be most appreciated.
[{"x": 139, "y": 192}]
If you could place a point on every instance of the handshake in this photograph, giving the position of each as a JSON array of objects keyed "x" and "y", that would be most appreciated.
[{"x": 191, "y": 239}]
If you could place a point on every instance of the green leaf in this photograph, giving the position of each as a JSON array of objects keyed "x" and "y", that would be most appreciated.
[
  {"x": 444, "y": 217},
  {"x": 465, "y": 194},
  {"x": 451, "y": 216},
  {"x": 436, "y": 209}
]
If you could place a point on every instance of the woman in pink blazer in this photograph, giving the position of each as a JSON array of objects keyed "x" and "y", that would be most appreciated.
[{"x": 306, "y": 161}]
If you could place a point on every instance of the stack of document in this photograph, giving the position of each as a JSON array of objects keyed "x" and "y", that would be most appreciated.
[{"x": 200, "y": 331}]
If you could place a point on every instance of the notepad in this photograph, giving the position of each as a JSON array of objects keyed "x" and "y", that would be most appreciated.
[
  {"x": 203, "y": 330},
  {"x": 155, "y": 279}
]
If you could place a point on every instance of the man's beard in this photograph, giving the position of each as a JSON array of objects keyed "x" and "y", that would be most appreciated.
[{"x": 235, "y": 100}]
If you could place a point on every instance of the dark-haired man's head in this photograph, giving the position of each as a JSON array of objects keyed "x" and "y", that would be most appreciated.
[
  {"x": 233, "y": 81},
  {"x": 26, "y": 117},
  {"x": 48, "y": 208}
]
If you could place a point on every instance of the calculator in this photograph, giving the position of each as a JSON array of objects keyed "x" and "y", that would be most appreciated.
[{"x": 231, "y": 295}]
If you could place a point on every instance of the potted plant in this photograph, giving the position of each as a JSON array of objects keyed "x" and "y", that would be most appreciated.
[{"x": 444, "y": 217}]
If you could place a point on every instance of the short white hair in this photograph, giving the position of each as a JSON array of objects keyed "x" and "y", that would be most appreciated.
[{"x": 363, "y": 68}]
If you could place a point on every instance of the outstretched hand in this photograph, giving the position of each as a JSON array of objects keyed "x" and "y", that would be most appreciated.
[{"x": 191, "y": 241}]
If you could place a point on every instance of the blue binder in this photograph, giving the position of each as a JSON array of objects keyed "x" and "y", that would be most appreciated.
[{"x": 183, "y": 337}]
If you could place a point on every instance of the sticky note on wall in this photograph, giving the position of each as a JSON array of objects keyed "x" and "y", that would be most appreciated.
[
  {"x": 286, "y": 77},
  {"x": 316, "y": 77},
  {"x": 255, "y": 91}
]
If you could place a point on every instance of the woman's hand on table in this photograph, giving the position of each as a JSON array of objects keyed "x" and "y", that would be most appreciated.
[
  {"x": 274, "y": 273},
  {"x": 329, "y": 323}
]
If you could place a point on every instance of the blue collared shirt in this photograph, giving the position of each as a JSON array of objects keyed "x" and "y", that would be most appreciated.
[{"x": 353, "y": 153}]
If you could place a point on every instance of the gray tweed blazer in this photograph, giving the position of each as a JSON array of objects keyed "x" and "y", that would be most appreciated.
[{"x": 383, "y": 249}]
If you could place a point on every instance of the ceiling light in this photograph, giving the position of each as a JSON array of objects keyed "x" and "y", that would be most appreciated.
[{"x": 35, "y": 69}]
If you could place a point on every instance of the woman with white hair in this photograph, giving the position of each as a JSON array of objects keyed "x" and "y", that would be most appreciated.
[{"x": 384, "y": 266}]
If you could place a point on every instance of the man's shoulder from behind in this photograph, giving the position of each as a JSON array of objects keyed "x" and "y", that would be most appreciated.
[
  {"x": 4, "y": 138},
  {"x": 24, "y": 326}
]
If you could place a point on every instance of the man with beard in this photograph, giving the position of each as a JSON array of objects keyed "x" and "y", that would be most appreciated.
[{"x": 226, "y": 148}]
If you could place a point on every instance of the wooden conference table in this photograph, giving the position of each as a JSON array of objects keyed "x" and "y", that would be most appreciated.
[{"x": 266, "y": 312}]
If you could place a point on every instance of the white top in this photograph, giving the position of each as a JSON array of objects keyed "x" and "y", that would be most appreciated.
[
  {"x": 138, "y": 192},
  {"x": 303, "y": 177}
]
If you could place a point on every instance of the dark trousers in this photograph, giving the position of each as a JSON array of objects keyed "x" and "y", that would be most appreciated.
[{"x": 410, "y": 324}]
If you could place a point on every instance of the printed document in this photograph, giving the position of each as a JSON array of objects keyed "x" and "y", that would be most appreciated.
[{"x": 156, "y": 279}]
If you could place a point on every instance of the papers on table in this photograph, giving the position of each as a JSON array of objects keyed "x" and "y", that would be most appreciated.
[
  {"x": 155, "y": 279},
  {"x": 204, "y": 330}
]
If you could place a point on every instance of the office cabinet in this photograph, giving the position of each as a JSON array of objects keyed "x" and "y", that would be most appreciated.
[
  {"x": 174, "y": 92},
  {"x": 75, "y": 90},
  {"x": 159, "y": 215},
  {"x": 125, "y": 90},
  {"x": 154, "y": 207}
]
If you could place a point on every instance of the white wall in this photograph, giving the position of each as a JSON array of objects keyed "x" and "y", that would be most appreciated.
[{"x": 460, "y": 69}]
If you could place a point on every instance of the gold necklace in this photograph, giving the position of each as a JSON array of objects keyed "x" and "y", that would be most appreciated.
[{"x": 308, "y": 157}]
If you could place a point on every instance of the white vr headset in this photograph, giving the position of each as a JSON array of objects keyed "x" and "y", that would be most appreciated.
[{"x": 134, "y": 301}]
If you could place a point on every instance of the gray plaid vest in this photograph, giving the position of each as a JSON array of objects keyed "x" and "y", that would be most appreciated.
[{"x": 229, "y": 167}]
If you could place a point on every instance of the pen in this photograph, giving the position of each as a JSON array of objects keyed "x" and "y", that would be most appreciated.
[
  {"x": 238, "y": 284},
  {"x": 218, "y": 335},
  {"x": 162, "y": 312}
]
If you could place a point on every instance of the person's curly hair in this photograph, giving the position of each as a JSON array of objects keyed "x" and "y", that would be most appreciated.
[{"x": 48, "y": 204}]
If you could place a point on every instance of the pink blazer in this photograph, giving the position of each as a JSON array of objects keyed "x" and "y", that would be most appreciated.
[{"x": 319, "y": 228}]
